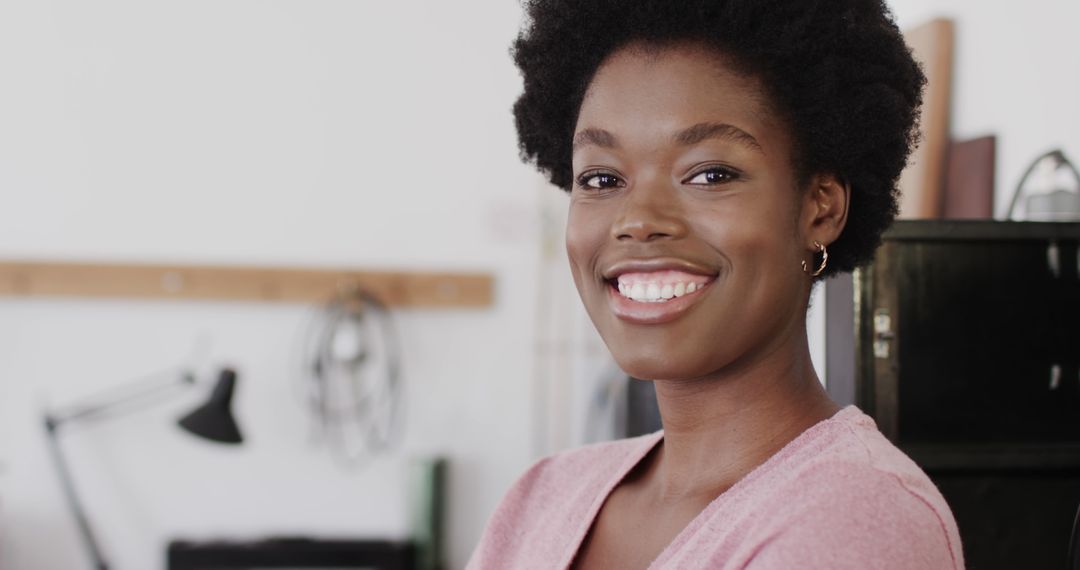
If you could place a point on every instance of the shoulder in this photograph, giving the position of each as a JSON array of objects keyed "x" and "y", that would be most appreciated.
[
  {"x": 856, "y": 498},
  {"x": 541, "y": 514}
]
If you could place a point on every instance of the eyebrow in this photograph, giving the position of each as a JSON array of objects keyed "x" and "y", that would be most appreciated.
[
  {"x": 704, "y": 131},
  {"x": 688, "y": 136},
  {"x": 597, "y": 137}
]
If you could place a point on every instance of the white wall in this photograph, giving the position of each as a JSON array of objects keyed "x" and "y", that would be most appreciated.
[{"x": 355, "y": 134}]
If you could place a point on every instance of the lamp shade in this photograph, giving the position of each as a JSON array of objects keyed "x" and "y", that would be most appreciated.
[{"x": 214, "y": 419}]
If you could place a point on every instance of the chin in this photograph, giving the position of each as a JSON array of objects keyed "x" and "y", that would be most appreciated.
[{"x": 656, "y": 364}]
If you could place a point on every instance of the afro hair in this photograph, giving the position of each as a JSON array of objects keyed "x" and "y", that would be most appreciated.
[{"x": 838, "y": 72}]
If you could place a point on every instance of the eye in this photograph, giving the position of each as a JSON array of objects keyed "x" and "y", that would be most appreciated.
[
  {"x": 713, "y": 175},
  {"x": 598, "y": 180}
]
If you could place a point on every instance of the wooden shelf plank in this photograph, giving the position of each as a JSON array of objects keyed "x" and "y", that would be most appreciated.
[{"x": 240, "y": 283}]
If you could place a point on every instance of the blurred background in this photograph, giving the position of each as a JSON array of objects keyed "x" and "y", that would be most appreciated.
[{"x": 338, "y": 136}]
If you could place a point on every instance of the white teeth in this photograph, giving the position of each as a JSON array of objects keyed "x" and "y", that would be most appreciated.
[{"x": 656, "y": 292}]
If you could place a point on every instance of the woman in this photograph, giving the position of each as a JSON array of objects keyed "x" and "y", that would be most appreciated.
[{"x": 721, "y": 156}]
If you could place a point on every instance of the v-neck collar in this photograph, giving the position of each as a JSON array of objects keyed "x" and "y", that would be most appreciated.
[{"x": 647, "y": 444}]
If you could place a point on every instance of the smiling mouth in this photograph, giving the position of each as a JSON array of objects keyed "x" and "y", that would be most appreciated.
[{"x": 658, "y": 286}]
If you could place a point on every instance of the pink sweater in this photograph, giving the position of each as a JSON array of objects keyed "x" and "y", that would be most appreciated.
[{"x": 840, "y": 496}]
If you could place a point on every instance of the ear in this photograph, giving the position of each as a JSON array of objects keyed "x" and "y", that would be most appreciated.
[{"x": 824, "y": 209}]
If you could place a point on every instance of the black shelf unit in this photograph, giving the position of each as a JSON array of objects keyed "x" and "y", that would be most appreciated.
[{"x": 962, "y": 340}]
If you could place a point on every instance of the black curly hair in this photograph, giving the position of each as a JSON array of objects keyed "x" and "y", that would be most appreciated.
[{"x": 838, "y": 72}]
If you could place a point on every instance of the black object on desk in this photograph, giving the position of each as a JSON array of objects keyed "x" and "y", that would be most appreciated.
[{"x": 294, "y": 553}]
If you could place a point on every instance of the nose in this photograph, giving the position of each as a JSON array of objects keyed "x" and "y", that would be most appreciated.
[{"x": 650, "y": 212}]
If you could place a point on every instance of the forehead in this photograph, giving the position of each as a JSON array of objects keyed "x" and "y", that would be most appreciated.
[{"x": 644, "y": 92}]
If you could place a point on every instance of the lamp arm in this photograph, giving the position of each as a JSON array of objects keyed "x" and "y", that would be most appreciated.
[
  {"x": 138, "y": 390},
  {"x": 74, "y": 504},
  {"x": 116, "y": 398}
]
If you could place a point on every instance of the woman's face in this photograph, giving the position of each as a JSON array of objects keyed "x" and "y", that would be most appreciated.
[{"x": 684, "y": 231}]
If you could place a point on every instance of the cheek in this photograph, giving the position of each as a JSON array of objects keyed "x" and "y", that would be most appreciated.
[
  {"x": 762, "y": 233},
  {"x": 760, "y": 284},
  {"x": 752, "y": 239},
  {"x": 584, "y": 237}
]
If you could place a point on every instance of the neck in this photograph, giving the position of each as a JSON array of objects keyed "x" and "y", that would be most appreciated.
[{"x": 718, "y": 428}]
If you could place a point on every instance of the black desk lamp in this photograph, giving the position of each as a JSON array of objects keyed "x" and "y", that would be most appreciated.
[{"x": 212, "y": 420}]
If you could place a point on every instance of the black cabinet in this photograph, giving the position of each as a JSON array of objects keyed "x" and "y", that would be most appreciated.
[{"x": 965, "y": 338}]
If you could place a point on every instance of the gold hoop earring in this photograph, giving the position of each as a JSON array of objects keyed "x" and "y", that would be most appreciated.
[{"x": 824, "y": 260}]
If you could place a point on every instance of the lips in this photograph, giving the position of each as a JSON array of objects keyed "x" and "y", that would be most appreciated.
[{"x": 655, "y": 291}]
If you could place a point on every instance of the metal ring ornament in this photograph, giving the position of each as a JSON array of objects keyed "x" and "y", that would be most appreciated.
[{"x": 824, "y": 260}]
